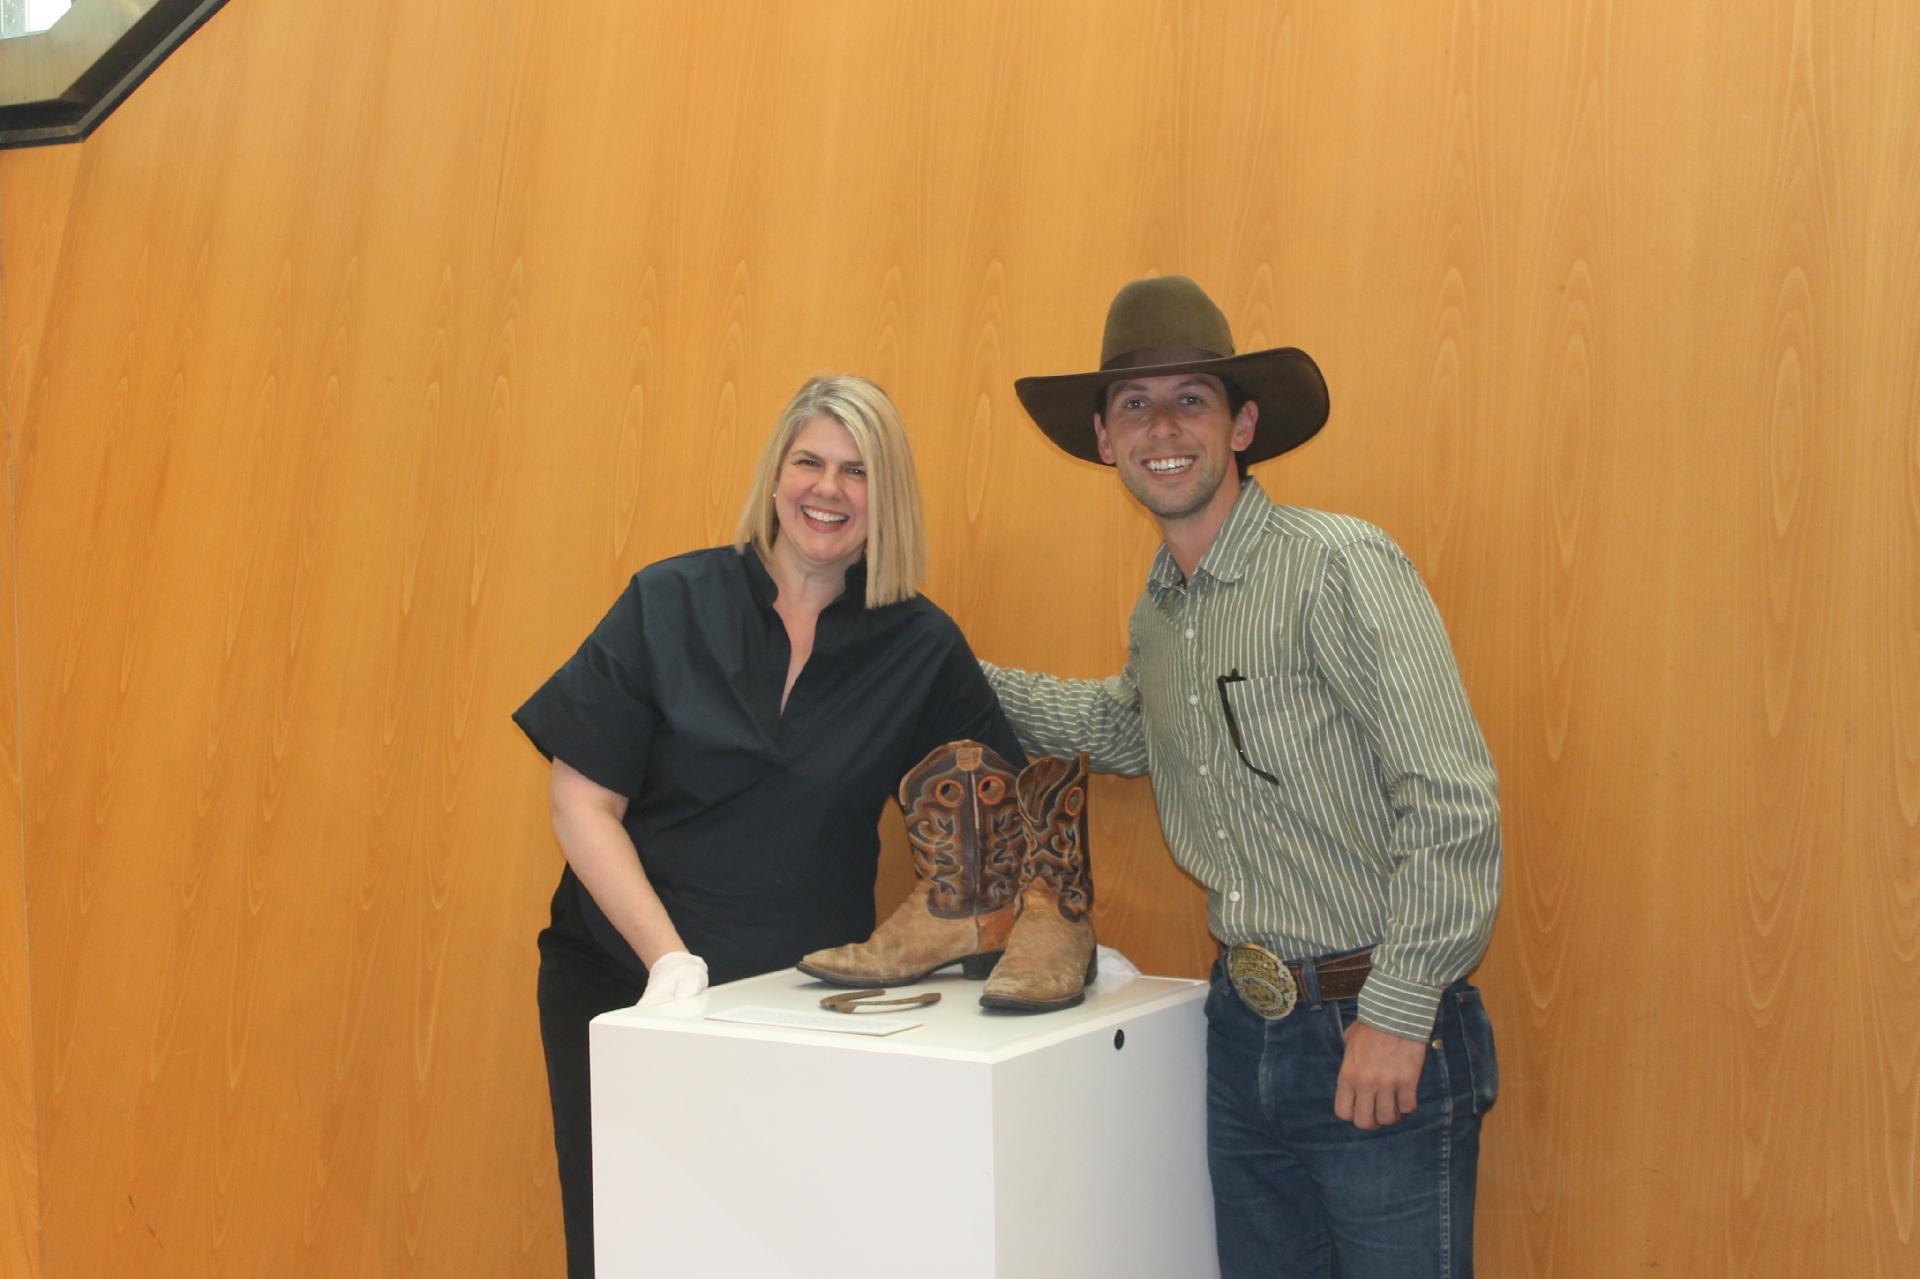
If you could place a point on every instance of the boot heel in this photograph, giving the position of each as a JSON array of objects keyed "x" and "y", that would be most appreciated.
[{"x": 979, "y": 967}]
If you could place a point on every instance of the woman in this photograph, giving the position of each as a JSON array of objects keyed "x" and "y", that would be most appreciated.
[{"x": 723, "y": 743}]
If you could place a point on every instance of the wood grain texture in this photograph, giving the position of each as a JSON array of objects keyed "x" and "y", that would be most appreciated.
[
  {"x": 332, "y": 432},
  {"x": 28, "y": 253},
  {"x": 19, "y": 1150},
  {"x": 1880, "y": 910}
]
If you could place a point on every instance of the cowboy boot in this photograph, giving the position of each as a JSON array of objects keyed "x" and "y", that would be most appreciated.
[
  {"x": 1050, "y": 956},
  {"x": 968, "y": 841}
]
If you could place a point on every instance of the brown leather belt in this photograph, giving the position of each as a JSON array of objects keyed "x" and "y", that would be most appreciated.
[{"x": 1272, "y": 987}]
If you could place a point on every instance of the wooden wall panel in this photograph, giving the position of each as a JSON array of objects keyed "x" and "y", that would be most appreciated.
[
  {"x": 357, "y": 360},
  {"x": 19, "y": 1150},
  {"x": 1877, "y": 1042},
  {"x": 29, "y": 249}
]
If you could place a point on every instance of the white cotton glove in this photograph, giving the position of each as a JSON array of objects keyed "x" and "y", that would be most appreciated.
[{"x": 675, "y": 975}]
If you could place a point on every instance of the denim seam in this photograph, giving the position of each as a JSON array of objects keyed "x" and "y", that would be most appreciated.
[{"x": 1446, "y": 1167}]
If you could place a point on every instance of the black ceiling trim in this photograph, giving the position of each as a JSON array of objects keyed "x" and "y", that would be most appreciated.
[{"x": 102, "y": 86}]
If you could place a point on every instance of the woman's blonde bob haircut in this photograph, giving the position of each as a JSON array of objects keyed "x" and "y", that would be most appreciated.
[{"x": 896, "y": 533}]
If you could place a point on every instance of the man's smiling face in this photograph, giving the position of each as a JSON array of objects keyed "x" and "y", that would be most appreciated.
[{"x": 1172, "y": 439}]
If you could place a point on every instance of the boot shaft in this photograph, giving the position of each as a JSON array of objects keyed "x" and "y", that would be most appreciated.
[
  {"x": 964, "y": 824},
  {"x": 1053, "y": 804}
]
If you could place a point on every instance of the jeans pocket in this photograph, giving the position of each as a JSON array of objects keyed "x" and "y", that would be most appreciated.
[
  {"x": 1220, "y": 998},
  {"x": 1341, "y": 1013},
  {"x": 1476, "y": 1035}
]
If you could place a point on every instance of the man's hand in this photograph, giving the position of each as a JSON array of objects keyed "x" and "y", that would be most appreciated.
[{"x": 1379, "y": 1077}]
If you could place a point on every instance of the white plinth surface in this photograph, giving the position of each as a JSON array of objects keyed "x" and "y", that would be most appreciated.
[{"x": 978, "y": 1144}]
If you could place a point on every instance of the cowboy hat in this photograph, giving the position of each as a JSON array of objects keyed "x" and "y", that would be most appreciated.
[{"x": 1166, "y": 324}]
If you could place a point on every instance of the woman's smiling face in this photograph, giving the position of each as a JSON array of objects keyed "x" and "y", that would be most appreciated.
[{"x": 820, "y": 499}]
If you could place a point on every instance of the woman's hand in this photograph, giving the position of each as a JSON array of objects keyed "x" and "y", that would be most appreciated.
[{"x": 675, "y": 976}]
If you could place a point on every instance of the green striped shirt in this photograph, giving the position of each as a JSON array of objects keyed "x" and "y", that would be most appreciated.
[{"x": 1382, "y": 825}]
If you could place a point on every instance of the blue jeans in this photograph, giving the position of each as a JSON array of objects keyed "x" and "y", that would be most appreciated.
[{"x": 1297, "y": 1191}]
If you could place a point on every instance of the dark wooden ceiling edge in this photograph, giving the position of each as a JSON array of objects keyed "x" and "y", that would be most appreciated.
[{"x": 114, "y": 75}]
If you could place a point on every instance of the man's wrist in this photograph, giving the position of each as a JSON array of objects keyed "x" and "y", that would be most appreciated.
[{"x": 1399, "y": 1007}]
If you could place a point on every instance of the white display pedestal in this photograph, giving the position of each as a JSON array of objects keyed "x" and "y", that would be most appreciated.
[{"x": 979, "y": 1144}]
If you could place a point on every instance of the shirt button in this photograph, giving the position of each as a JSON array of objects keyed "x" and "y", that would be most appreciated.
[
  {"x": 1234, "y": 896},
  {"x": 1222, "y": 834},
  {"x": 1193, "y": 699},
  {"x": 1189, "y": 632},
  {"x": 1203, "y": 770}
]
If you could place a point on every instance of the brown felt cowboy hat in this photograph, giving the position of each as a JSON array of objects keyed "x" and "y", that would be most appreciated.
[{"x": 1166, "y": 324}]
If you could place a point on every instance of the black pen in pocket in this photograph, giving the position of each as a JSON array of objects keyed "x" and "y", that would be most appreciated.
[{"x": 1233, "y": 676}]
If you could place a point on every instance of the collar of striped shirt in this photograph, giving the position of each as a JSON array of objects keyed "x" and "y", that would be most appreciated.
[{"x": 1225, "y": 560}]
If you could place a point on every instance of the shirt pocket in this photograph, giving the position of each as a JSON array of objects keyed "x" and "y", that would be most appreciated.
[
  {"x": 1292, "y": 730},
  {"x": 1276, "y": 718}
]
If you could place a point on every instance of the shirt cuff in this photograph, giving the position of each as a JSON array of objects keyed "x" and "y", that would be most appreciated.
[{"x": 1399, "y": 1007}]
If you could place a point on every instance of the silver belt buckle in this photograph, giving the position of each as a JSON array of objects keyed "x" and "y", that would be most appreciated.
[{"x": 1264, "y": 983}]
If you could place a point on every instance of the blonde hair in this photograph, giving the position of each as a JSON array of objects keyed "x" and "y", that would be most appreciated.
[{"x": 896, "y": 533}]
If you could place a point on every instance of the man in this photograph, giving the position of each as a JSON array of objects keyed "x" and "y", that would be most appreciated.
[{"x": 1291, "y": 689}]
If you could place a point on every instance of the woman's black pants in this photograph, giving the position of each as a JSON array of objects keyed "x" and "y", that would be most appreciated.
[{"x": 578, "y": 982}]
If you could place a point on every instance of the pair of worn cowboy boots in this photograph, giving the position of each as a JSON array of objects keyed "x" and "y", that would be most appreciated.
[{"x": 1001, "y": 883}]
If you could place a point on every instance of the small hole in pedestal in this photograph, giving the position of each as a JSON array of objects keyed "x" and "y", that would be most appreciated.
[{"x": 1119, "y": 1040}]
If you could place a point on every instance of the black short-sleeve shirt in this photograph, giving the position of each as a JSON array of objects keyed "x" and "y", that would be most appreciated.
[{"x": 757, "y": 828}]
